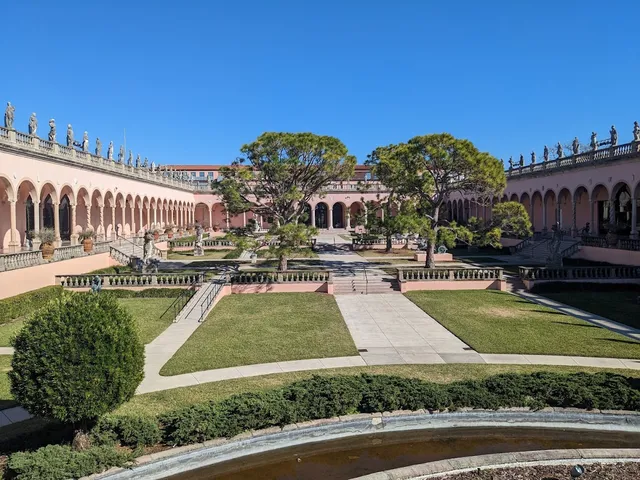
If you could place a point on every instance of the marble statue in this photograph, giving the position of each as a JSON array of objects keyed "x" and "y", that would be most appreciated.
[
  {"x": 148, "y": 246},
  {"x": 614, "y": 136},
  {"x": 130, "y": 159},
  {"x": 521, "y": 160},
  {"x": 153, "y": 166},
  {"x": 33, "y": 125},
  {"x": 96, "y": 284},
  {"x": 636, "y": 132},
  {"x": 138, "y": 161},
  {"x": 559, "y": 150},
  {"x": 69, "y": 136},
  {"x": 555, "y": 258},
  {"x": 145, "y": 164},
  {"x": 198, "y": 250},
  {"x": 533, "y": 157},
  {"x": 575, "y": 146},
  {"x": 110, "y": 151},
  {"x": 98, "y": 147},
  {"x": 510, "y": 163},
  {"x": 594, "y": 141},
  {"x": 9, "y": 115},
  {"x": 52, "y": 130},
  {"x": 85, "y": 142},
  {"x": 545, "y": 154}
]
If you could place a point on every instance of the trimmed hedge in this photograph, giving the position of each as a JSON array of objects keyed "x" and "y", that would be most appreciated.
[
  {"x": 130, "y": 431},
  {"x": 147, "y": 293},
  {"x": 557, "y": 287},
  {"x": 27, "y": 303}
]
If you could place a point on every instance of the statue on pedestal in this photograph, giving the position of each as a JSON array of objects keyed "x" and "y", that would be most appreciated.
[
  {"x": 52, "y": 130},
  {"x": 555, "y": 259},
  {"x": 148, "y": 246},
  {"x": 594, "y": 141},
  {"x": 96, "y": 284},
  {"x": 110, "y": 151},
  {"x": 636, "y": 132},
  {"x": 9, "y": 115},
  {"x": 138, "y": 161},
  {"x": 510, "y": 163},
  {"x": 559, "y": 150},
  {"x": 121, "y": 154},
  {"x": 614, "y": 136},
  {"x": 33, "y": 125},
  {"x": 575, "y": 146},
  {"x": 545, "y": 154},
  {"x": 69, "y": 136},
  {"x": 98, "y": 147},
  {"x": 85, "y": 142},
  {"x": 521, "y": 160},
  {"x": 533, "y": 157},
  {"x": 198, "y": 250},
  {"x": 145, "y": 164},
  {"x": 130, "y": 159}
]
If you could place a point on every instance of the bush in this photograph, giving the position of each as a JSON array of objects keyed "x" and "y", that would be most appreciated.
[
  {"x": 130, "y": 431},
  {"x": 324, "y": 397},
  {"x": 557, "y": 287},
  {"x": 55, "y": 462},
  {"x": 77, "y": 359},
  {"x": 27, "y": 303},
  {"x": 147, "y": 293}
]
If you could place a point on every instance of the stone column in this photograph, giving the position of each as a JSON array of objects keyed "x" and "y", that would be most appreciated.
[
  {"x": 103, "y": 235},
  {"x": 544, "y": 215},
  {"x": 74, "y": 235},
  {"x": 148, "y": 216},
  {"x": 140, "y": 218},
  {"x": 56, "y": 223},
  {"x": 330, "y": 212},
  {"x": 244, "y": 219},
  {"x": 133, "y": 221},
  {"x": 41, "y": 215},
  {"x": 14, "y": 244},
  {"x": 594, "y": 228},
  {"x": 113, "y": 222},
  {"x": 36, "y": 219},
  {"x": 313, "y": 216},
  {"x": 88, "y": 208},
  {"x": 574, "y": 221},
  {"x": 382, "y": 214},
  {"x": 124, "y": 217},
  {"x": 210, "y": 218},
  {"x": 634, "y": 218},
  {"x": 226, "y": 217},
  {"x": 612, "y": 211}
]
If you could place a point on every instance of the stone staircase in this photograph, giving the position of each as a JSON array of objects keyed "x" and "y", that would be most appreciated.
[
  {"x": 537, "y": 251},
  {"x": 364, "y": 282},
  {"x": 201, "y": 303}
]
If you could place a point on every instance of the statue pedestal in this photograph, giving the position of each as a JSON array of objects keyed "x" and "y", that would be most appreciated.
[{"x": 74, "y": 239}]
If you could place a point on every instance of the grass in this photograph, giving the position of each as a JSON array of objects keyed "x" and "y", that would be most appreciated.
[
  {"x": 620, "y": 306},
  {"x": 498, "y": 322},
  {"x": 167, "y": 400},
  {"x": 304, "y": 252},
  {"x": 274, "y": 327},
  {"x": 211, "y": 254},
  {"x": 6, "y": 399},
  {"x": 396, "y": 252},
  {"x": 146, "y": 312}
]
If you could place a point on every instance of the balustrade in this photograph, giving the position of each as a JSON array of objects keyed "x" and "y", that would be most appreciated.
[
  {"x": 580, "y": 273},
  {"x": 290, "y": 276},
  {"x": 131, "y": 280},
  {"x": 23, "y": 138},
  {"x": 101, "y": 247},
  {"x": 68, "y": 252},
  {"x": 620, "y": 244},
  {"x": 449, "y": 274},
  {"x": 13, "y": 261},
  {"x": 4, "y": 133}
]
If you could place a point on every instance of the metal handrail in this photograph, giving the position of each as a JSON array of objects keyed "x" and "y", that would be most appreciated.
[
  {"x": 366, "y": 282},
  {"x": 211, "y": 296},
  {"x": 174, "y": 305}
]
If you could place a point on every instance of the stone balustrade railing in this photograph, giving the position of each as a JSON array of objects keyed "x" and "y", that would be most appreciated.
[
  {"x": 155, "y": 280},
  {"x": 101, "y": 247},
  {"x": 206, "y": 242},
  {"x": 513, "y": 249},
  {"x": 68, "y": 252},
  {"x": 346, "y": 186},
  {"x": 601, "y": 241},
  {"x": 68, "y": 155},
  {"x": 380, "y": 241},
  {"x": 585, "y": 158},
  {"x": 13, "y": 261},
  {"x": 452, "y": 274},
  {"x": 580, "y": 273},
  {"x": 290, "y": 276},
  {"x": 119, "y": 257}
]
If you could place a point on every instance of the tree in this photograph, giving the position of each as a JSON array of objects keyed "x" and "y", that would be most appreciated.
[
  {"x": 278, "y": 175},
  {"x": 76, "y": 359},
  {"x": 406, "y": 220},
  {"x": 429, "y": 168}
]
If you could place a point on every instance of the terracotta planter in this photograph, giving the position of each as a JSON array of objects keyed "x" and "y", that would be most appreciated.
[
  {"x": 87, "y": 243},
  {"x": 47, "y": 251}
]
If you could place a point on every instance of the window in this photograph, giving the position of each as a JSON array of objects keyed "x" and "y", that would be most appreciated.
[
  {"x": 220, "y": 177},
  {"x": 210, "y": 174},
  {"x": 201, "y": 174},
  {"x": 193, "y": 174},
  {"x": 367, "y": 176}
]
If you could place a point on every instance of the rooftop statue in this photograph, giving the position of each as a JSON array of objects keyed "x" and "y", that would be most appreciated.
[
  {"x": 138, "y": 161},
  {"x": 130, "y": 159},
  {"x": 521, "y": 160},
  {"x": 98, "y": 147},
  {"x": 33, "y": 125},
  {"x": 9, "y": 115},
  {"x": 636, "y": 132},
  {"x": 145, "y": 164},
  {"x": 110, "y": 151},
  {"x": 533, "y": 157},
  {"x": 510, "y": 163},
  {"x": 545, "y": 154},
  {"x": 575, "y": 146},
  {"x": 85, "y": 142},
  {"x": 614, "y": 136},
  {"x": 52, "y": 130},
  {"x": 69, "y": 136},
  {"x": 594, "y": 141},
  {"x": 121, "y": 154},
  {"x": 559, "y": 150}
]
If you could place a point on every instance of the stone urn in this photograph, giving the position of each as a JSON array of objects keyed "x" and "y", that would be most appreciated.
[
  {"x": 156, "y": 235},
  {"x": 47, "y": 250},
  {"x": 169, "y": 233},
  {"x": 87, "y": 243}
]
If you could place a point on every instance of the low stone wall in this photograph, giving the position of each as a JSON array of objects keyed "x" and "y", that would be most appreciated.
[
  {"x": 383, "y": 246},
  {"x": 609, "y": 255},
  {"x": 24, "y": 280},
  {"x": 603, "y": 274},
  {"x": 454, "y": 285},
  {"x": 421, "y": 257},
  {"x": 451, "y": 279},
  {"x": 282, "y": 282}
]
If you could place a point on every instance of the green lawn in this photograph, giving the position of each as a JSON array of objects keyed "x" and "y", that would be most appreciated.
[
  {"x": 6, "y": 399},
  {"x": 188, "y": 255},
  {"x": 498, "y": 322},
  {"x": 146, "y": 312},
  {"x": 167, "y": 400},
  {"x": 305, "y": 252},
  {"x": 272, "y": 327},
  {"x": 619, "y": 306}
]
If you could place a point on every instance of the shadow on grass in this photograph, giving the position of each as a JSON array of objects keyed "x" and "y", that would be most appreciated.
[
  {"x": 576, "y": 324},
  {"x": 628, "y": 342}
]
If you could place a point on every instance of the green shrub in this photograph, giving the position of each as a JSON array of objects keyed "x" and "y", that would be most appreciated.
[
  {"x": 147, "y": 293},
  {"x": 77, "y": 359},
  {"x": 27, "y": 303},
  {"x": 58, "y": 462},
  {"x": 235, "y": 253},
  {"x": 192, "y": 424},
  {"x": 130, "y": 431},
  {"x": 558, "y": 287},
  {"x": 324, "y": 397}
]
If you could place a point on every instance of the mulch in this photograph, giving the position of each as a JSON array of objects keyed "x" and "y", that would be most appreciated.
[{"x": 615, "y": 471}]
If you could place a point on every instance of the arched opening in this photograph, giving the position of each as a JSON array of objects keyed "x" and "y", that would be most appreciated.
[
  {"x": 514, "y": 197},
  {"x": 583, "y": 213},
  {"x": 321, "y": 211},
  {"x": 465, "y": 213},
  {"x": 460, "y": 215},
  {"x": 64, "y": 211},
  {"x": 29, "y": 214},
  {"x": 536, "y": 212},
  {"x": 356, "y": 214},
  {"x": 600, "y": 199},
  {"x": 6, "y": 195},
  {"x": 47, "y": 213},
  {"x": 565, "y": 211},
  {"x": 526, "y": 203},
  {"x": 202, "y": 215},
  {"x": 622, "y": 206},
  {"x": 306, "y": 215},
  {"x": 550, "y": 209},
  {"x": 338, "y": 215}
]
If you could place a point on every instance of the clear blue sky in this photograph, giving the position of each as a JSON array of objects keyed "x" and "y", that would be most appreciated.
[{"x": 192, "y": 81}]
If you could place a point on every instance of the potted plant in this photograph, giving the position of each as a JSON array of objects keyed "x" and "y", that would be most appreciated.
[
  {"x": 86, "y": 238},
  {"x": 169, "y": 231},
  {"x": 156, "y": 234},
  {"x": 216, "y": 227},
  {"x": 47, "y": 238}
]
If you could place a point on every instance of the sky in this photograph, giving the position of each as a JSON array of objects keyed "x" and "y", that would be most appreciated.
[{"x": 193, "y": 81}]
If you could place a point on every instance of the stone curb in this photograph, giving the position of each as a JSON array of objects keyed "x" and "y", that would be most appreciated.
[
  {"x": 180, "y": 459},
  {"x": 507, "y": 460}
]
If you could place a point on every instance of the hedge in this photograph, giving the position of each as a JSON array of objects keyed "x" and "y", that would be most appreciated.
[
  {"x": 324, "y": 397},
  {"x": 558, "y": 287},
  {"x": 26, "y": 303},
  {"x": 147, "y": 293}
]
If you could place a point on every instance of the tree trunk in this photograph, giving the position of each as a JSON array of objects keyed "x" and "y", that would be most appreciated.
[
  {"x": 430, "y": 262},
  {"x": 283, "y": 263},
  {"x": 389, "y": 247}
]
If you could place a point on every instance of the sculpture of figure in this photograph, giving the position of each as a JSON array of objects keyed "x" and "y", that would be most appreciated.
[
  {"x": 121, "y": 154},
  {"x": 594, "y": 141},
  {"x": 555, "y": 259},
  {"x": 533, "y": 157},
  {"x": 69, "y": 136},
  {"x": 198, "y": 250},
  {"x": 636, "y": 132},
  {"x": 614, "y": 136},
  {"x": 85, "y": 142},
  {"x": 575, "y": 146},
  {"x": 138, "y": 161},
  {"x": 148, "y": 247},
  {"x": 9, "y": 115},
  {"x": 130, "y": 159},
  {"x": 145, "y": 164},
  {"x": 110, "y": 151},
  {"x": 559, "y": 150},
  {"x": 510, "y": 163},
  {"x": 153, "y": 166},
  {"x": 96, "y": 284},
  {"x": 521, "y": 160},
  {"x": 98, "y": 147},
  {"x": 52, "y": 130},
  {"x": 33, "y": 125},
  {"x": 545, "y": 154}
]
